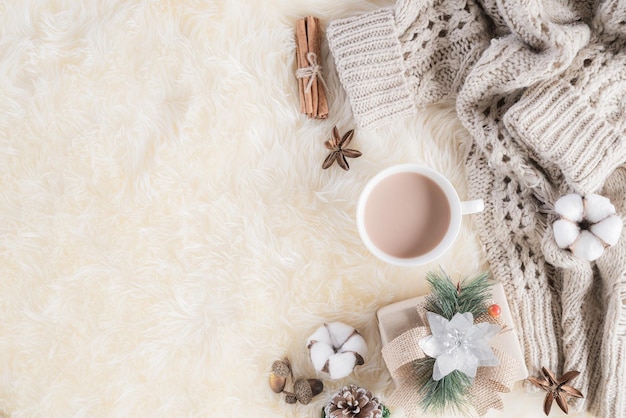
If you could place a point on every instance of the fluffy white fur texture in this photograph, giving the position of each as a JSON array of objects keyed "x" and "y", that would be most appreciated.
[{"x": 166, "y": 229}]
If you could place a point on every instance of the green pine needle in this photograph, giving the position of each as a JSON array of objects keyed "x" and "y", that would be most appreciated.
[
  {"x": 443, "y": 298},
  {"x": 445, "y": 395},
  {"x": 448, "y": 299},
  {"x": 475, "y": 294}
]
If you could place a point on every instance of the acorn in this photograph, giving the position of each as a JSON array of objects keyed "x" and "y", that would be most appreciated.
[
  {"x": 291, "y": 399},
  {"x": 279, "y": 375},
  {"x": 305, "y": 390}
]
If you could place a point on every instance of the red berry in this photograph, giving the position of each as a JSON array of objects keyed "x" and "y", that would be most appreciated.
[{"x": 494, "y": 310}]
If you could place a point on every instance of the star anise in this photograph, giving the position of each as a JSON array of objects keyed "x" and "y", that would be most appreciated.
[
  {"x": 338, "y": 153},
  {"x": 557, "y": 388}
]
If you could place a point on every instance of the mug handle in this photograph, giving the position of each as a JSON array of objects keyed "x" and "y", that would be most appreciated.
[{"x": 472, "y": 206}]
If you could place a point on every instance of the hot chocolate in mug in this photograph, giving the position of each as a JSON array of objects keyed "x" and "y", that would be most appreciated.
[{"x": 409, "y": 215}]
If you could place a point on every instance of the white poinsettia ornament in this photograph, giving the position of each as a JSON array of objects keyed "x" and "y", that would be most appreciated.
[
  {"x": 459, "y": 344},
  {"x": 587, "y": 225},
  {"x": 336, "y": 348}
]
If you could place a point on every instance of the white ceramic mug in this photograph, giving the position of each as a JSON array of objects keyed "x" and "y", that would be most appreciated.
[{"x": 456, "y": 206}]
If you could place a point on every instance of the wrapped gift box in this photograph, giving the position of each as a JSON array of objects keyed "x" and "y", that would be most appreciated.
[{"x": 399, "y": 317}]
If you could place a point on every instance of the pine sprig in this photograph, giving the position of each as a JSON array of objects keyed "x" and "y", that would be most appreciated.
[
  {"x": 443, "y": 297},
  {"x": 448, "y": 299},
  {"x": 446, "y": 395},
  {"x": 474, "y": 295}
]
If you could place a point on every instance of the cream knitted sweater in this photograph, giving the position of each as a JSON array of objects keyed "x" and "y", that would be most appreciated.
[{"x": 541, "y": 87}]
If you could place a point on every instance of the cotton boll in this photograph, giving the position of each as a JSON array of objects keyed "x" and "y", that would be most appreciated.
[
  {"x": 587, "y": 246},
  {"x": 320, "y": 353},
  {"x": 322, "y": 335},
  {"x": 341, "y": 365},
  {"x": 355, "y": 343},
  {"x": 570, "y": 207},
  {"x": 588, "y": 232},
  {"x": 336, "y": 348},
  {"x": 565, "y": 232},
  {"x": 339, "y": 332},
  {"x": 608, "y": 230},
  {"x": 597, "y": 208}
]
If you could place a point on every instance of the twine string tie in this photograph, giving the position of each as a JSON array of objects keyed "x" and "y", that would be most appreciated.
[{"x": 314, "y": 70}]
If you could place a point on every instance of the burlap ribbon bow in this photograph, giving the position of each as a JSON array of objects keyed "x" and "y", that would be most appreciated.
[{"x": 484, "y": 394}]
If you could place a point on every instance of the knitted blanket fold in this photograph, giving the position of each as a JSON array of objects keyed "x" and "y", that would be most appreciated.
[{"x": 540, "y": 86}]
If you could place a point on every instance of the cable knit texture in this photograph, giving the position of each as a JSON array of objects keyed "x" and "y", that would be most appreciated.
[
  {"x": 541, "y": 87},
  {"x": 392, "y": 61}
]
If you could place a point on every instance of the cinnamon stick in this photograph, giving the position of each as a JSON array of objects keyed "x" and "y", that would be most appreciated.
[
  {"x": 313, "y": 45},
  {"x": 313, "y": 101},
  {"x": 320, "y": 104},
  {"x": 301, "y": 51}
]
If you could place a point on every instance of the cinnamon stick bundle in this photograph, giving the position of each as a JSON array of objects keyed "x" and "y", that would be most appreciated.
[{"x": 311, "y": 89}]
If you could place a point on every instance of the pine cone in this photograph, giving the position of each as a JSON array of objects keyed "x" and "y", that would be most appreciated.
[{"x": 353, "y": 402}]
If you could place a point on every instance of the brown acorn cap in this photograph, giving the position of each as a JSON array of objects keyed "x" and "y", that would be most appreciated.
[
  {"x": 291, "y": 399},
  {"x": 303, "y": 391},
  {"x": 281, "y": 368}
]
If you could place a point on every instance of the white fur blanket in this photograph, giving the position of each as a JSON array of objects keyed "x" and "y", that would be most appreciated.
[{"x": 166, "y": 229}]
